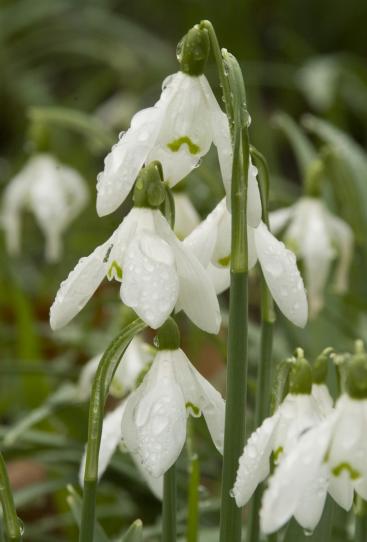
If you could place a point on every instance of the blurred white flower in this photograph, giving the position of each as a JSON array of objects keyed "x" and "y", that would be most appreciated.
[
  {"x": 110, "y": 440},
  {"x": 186, "y": 216},
  {"x": 134, "y": 361},
  {"x": 157, "y": 274},
  {"x": 154, "y": 421},
  {"x": 317, "y": 237},
  {"x": 211, "y": 242},
  {"x": 277, "y": 435},
  {"x": 53, "y": 192},
  {"x": 329, "y": 457},
  {"x": 177, "y": 131}
]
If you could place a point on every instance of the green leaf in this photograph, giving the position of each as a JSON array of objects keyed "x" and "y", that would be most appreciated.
[
  {"x": 134, "y": 532},
  {"x": 303, "y": 149}
]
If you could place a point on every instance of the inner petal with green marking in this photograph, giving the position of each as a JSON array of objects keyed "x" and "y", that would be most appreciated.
[
  {"x": 353, "y": 473},
  {"x": 114, "y": 271},
  {"x": 195, "y": 410},
  {"x": 176, "y": 145}
]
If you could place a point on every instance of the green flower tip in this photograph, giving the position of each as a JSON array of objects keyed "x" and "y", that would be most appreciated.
[
  {"x": 314, "y": 177},
  {"x": 356, "y": 380},
  {"x": 300, "y": 375},
  {"x": 168, "y": 336},
  {"x": 149, "y": 189},
  {"x": 193, "y": 51},
  {"x": 320, "y": 367}
]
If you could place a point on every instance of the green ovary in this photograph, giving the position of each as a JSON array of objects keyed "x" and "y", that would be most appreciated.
[{"x": 175, "y": 145}]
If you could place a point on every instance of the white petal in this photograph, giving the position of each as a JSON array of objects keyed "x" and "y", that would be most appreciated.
[
  {"x": 128, "y": 155},
  {"x": 254, "y": 463},
  {"x": 185, "y": 134},
  {"x": 311, "y": 505},
  {"x": 301, "y": 467},
  {"x": 154, "y": 484},
  {"x": 150, "y": 283},
  {"x": 321, "y": 394},
  {"x": 361, "y": 487},
  {"x": 79, "y": 287},
  {"x": 133, "y": 362},
  {"x": 202, "y": 395},
  {"x": 254, "y": 208},
  {"x": 282, "y": 276},
  {"x": 154, "y": 422},
  {"x": 221, "y": 135},
  {"x": 220, "y": 277},
  {"x": 86, "y": 377},
  {"x": 197, "y": 297},
  {"x": 343, "y": 237},
  {"x": 111, "y": 436},
  {"x": 186, "y": 216},
  {"x": 279, "y": 218},
  {"x": 342, "y": 491}
]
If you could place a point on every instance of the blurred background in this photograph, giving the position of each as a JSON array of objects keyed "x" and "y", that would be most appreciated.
[{"x": 72, "y": 74}]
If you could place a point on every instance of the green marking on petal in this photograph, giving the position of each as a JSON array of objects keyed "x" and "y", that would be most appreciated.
[
  {"x": 195, "y": 411},
  {"x": 353, "y": 473},
  {"x": 277, "y": 453},
  {"x": 175, "y": 145},
  {"x": 224, "y": 262},
  {"x": 115, "y": 270}
]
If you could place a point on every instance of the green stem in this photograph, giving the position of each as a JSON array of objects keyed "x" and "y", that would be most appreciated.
[
  {"x": 361, "y": 529},
  {"x": 13, "y": 527},
  {"x": 169, "y": 532},
  {"x": 193, "y": 493},
  {"x": 104, "y": 375},
  {"x": 235, "y": 420}
]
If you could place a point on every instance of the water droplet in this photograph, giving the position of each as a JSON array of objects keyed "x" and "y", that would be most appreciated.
[
  {"x": 308, "y": 532},
  {"x": 121, "y": 134}
]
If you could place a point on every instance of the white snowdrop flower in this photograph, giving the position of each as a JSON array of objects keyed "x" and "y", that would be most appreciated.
[
  {"x": 134, "y": 361},
  {"x": 177, "y": 131},
  {"x": 154, "y": 422},
  {"x": 278, "y": 434},
  {"x": 211, "y": 242},
  {"x": 317, "y": 237},
  {"x": 110, "y": 440},
  {"x": 53, "y": 192},
  {"x": 329, "y": 457},
  {"x": 186, "y": 216},
  {"x": 157, "y": 272}
]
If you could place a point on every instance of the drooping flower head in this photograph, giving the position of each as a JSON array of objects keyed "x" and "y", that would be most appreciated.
[
  {"x": 331, "y": 457},
  {"x": 211, "y": 242},
  {"x": 154, "y": 421},
  {"x": 157, "y": 272},
  {"x": 53, "y": 192},
  {"x": 317, "y": 237}
]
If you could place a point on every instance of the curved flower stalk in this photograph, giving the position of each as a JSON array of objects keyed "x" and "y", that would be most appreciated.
[
  {"x": 134, "y": 362},
  {"x": 154, "y": 421},
  {"x": 317, "y": 237},
  {"x": 53, "y": 192},
  {"x": 110, "y": 441},
  {"x": 329, "y": 457},
  {"x": 211, "y": 242},
  {"x": 177, "y": 131},
  {"x": 156, "y": 271}
]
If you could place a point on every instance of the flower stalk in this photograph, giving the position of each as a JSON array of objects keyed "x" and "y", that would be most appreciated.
[
  {"x": 12, "y": 525},
  {"x": 169, "y": 531},
  {"x": 101, "y": 384},
  {"x": 230, "y": 522}
]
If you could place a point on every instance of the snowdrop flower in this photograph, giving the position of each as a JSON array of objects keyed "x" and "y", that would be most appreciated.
[
  {"x": 211, "y": 242},
  {"x": 317, "y": 237},
  {"x": 110, "y": 441},
  {"x": 156, "y": 271},
  {"x": 330, "y": 457},
  {"x": 154, "y": 421},
  {"x": 53, "y": 192},
  {"x": 177, "y": 131},
  {"x": 279, "y": 433},
  {"x": 135, "y": 360}
]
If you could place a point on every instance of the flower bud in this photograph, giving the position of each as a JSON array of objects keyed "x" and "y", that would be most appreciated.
[
  {"x": 193, "y": 51},
  {"x": 320, "y": 367},
  {"x": 356, "y": 379},
  {"x": 168, "y": 336},
  {"x": 149, "y": 189},
  {"x": 300, "y": 375}
]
